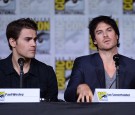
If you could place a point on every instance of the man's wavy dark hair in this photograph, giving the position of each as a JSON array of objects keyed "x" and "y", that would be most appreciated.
[
  {"x": 15, "y": 27},
  {"x": 106, "y": 19}
]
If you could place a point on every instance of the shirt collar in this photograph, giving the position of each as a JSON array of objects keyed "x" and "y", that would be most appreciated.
[{"x": 8, "y": 66}]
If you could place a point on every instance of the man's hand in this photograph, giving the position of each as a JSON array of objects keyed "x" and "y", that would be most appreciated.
[{"x": 84, "y": 93}]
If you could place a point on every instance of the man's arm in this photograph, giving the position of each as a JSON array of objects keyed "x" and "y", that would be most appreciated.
[
  {"x": 75, "y": 90},
  {"x": 52, "y": 85}
]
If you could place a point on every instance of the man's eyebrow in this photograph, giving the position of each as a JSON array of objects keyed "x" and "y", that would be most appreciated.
[
  {"x": 101, "y": 30},
  {"x": 97, "y": 31},
  {"x": 29, "y": 37},
  {"x": 109, "y": 27}
]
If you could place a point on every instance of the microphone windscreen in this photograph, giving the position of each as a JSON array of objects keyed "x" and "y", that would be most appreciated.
[
  {"x": 21, "y": 61},
  {"x": 116, "y": 57}
]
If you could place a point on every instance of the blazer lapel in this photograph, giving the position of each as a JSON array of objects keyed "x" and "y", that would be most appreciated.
[
  {"x": 100, "y": 71},
  {"x": 121, "y": 78},
  {"x": 122, "y": 73},
  {"x": 101, "y": 77}
]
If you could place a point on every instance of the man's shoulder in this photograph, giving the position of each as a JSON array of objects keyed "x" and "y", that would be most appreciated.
[
  {"x": 88, "y": 57},
  {"x": 127, "y": 59},
  {"x": 6, "y": 64},
  {"x": 91, "y": 59},
  {"x": 4, "y": 61},
  {"x": 40, "y": 64},
  {"x": 127, "y": 63},
  {"x": 1, "y": 60}
]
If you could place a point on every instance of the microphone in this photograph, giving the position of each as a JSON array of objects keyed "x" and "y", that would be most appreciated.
[
  {"x": 116, "y": 58},
  {"x": 21, "y": 64}
]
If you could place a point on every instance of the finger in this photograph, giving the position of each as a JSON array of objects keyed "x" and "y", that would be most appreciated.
[
  {"x": 91, "y": 97},
  {"x": 79, "y": 98},
  {"x": 88, "y": 99},
  {"x": 82, "y": 99}
]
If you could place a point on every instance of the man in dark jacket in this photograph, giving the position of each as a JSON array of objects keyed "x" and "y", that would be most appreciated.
[{"x": 99, "y": 70}]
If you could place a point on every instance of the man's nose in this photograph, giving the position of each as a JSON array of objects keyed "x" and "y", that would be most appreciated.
[
  {"x": 105, "y": 34},
  {"x": 33, "y": 42}
]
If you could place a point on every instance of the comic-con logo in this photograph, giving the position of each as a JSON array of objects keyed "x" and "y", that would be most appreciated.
[
  {"x": 102, "y": 96},
  {"x": 2, "y": 96}
]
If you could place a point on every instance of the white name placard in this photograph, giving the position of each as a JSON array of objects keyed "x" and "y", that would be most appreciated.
[
  {"x": 19, "y": 95},
  {"x": 114, "y": 95}
]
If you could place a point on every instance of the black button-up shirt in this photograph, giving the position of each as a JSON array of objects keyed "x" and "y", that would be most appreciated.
[{"x": 40, "y": 76}]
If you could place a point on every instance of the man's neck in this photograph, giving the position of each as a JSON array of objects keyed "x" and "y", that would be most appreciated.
[
  {"x": 107, "y": 56},
  {"x": 108, "y": 62}
]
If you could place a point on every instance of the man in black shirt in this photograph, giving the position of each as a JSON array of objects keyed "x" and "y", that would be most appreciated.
[{"x": 22, "y": 35}]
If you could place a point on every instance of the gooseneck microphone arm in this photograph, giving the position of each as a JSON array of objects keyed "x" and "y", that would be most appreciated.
[
  {"x": 116, "y": 59},
  {"x": 21, "y": 64}
]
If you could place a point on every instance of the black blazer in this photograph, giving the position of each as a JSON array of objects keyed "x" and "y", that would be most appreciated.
[{"x": 89, "y": 70}]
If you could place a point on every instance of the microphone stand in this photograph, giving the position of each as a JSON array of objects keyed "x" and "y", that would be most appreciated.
[
  {"x": 116, "y": 59},
  {"x": 117, "y": 76},
  {"x": 21, "y": 64},
  {"x": 21, "y": 76}
]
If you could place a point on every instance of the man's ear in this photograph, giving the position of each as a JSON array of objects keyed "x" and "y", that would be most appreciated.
[
  {"x": 117, "y": 37},
  {"x": 12, "y": 42},
  {"x": 95, "y": 42}
]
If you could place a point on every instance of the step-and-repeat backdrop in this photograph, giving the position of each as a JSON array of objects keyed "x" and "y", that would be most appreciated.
[{"x": 63, "y": 31}]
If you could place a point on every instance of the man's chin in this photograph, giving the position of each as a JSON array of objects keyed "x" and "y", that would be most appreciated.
[{"x": 32, "y": 56}]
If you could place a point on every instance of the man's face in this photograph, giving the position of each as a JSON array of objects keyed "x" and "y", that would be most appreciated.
[
  {"x": 105, "y": 37},
  {"x": 25, "y": 45}
]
